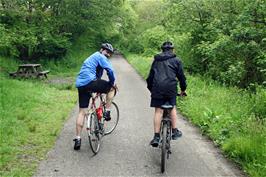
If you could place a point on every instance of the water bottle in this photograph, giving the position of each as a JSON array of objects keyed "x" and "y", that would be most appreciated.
[{"x": 99, "y": 113}]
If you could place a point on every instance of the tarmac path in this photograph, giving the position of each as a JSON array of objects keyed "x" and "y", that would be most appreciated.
[{"x": 126, "y": 152}]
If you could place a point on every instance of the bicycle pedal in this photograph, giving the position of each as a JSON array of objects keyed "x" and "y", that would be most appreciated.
[{"x": 102, "y": 132}]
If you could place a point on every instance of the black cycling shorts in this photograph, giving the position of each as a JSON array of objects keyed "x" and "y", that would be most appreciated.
[
  {"x": 99, "y": 86},
  {"x": 157, "y": 103}
]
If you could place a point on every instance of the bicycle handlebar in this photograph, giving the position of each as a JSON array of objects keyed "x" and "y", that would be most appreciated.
[{"x": 184, "y": 94}]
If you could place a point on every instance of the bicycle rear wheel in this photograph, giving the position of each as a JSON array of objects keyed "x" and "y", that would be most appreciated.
[
  {"x": 163, "y": 156},
  {"x": 110, "y": 125},
  {"x": 94, "y": 133}
]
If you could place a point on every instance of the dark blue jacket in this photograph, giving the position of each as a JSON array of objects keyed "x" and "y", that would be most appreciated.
[{"x": 164, "y": 72}]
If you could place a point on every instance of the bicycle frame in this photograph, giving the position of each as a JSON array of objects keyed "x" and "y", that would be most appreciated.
[
  {"x": 97, "y": 126},
  {"x": 94, "y": 97},
  {"x": 92, "y": 107}
]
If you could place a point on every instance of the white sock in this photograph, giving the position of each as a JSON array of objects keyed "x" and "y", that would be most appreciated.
[
  {"x": 108, "y": 109},
  {"x": 77, "y": 137}
]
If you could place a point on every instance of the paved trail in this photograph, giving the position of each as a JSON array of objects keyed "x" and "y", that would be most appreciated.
[{"x": 126, "y": 152}]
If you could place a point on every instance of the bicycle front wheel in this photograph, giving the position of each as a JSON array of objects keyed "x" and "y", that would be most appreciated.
[
  {"x": 110, "y": 125},
  {"x": 94, "y": 133},
  {"x": 163, "y": 156}
]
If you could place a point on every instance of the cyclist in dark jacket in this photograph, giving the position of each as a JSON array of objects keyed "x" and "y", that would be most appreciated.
[{"x": 162, "y": 83}]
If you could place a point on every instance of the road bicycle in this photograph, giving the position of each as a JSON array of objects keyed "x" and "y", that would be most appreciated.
[
  {"x": 96, "y": 125},
  {"x": 166, "y": 134}
]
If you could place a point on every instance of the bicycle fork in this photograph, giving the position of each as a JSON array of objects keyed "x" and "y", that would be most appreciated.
[
  {"x": 88, "y": 123},
  {"x": 168, "y": 139}
]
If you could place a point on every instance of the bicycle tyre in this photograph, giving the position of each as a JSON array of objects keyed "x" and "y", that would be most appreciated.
[
  {"x": 163, "y": 155},
  {"x": 94, "y": 134},
  {"x": 109, "y": 126}
]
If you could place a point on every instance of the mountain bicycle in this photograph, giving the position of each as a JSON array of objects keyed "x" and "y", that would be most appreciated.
[
  {"x": 166, "y": 134},
  {"x": 96, "y": 125}
]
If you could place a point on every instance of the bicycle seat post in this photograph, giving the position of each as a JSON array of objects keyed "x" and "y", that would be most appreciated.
[{"x": 167, "y": 109}]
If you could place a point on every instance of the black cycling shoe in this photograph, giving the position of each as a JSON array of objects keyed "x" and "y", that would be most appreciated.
[
  {"x": 155, "y": 141},
  {"x": 176, "y": 134},
  {"x": 77, "y": 143},
  {"x": 107, "y": 115}
]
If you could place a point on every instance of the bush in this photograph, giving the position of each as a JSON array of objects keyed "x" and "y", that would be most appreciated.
[
  {"x": 182, "y": 45},
  {"x": 136, "y": 46},
  {"x": 154, "y": 37},
  {"x": 6, "y": 39}
]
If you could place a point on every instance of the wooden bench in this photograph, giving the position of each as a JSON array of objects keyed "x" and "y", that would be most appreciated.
[
  {"x": 13, "y": 74},
  {"x": 29, "y": 71},
  {"x": 43, "y": 73}
]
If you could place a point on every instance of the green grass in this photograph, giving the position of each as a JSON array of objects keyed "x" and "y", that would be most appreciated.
[
  {"x": 141, "y": 64},
  {"x": 230, "y": 117},
  {"x": 234, "y": 119},
  {"x": 33, "y": 112}
]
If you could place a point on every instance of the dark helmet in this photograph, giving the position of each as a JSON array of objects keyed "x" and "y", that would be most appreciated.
[
  {"x": 108, "y": 47},
  {"x": 167, "y": 45}
]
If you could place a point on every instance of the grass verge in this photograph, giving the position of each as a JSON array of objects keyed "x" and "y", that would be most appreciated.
[
  {"x": 233, "y": 118},
  {"x": 33, "y": 112}
]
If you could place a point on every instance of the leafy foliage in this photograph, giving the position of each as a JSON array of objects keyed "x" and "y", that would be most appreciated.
[
  {"x": 222, "y": 39},
  {"x": 32, "y": 29},
  {"x": 227, "y": 38}
]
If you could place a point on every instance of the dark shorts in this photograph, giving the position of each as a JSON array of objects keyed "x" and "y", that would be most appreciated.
[
  {"x": 157, "y": 103},
  {"x": 100, "y": 86}
]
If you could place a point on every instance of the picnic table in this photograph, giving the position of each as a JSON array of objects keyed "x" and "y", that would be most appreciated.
[{"x": 30, "y": 71}]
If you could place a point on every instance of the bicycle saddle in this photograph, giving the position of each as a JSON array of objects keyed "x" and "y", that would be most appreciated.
[{"x": 167, "y": 106}]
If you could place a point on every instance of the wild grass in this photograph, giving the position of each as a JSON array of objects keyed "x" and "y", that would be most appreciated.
[
  {"x": 33, "y": 111},
  {"x": 229, "y": 116},
  {"x": 141, "y": 64},
  {"x": 32, "y": 114},
  {"x": 234, "y": 119}
]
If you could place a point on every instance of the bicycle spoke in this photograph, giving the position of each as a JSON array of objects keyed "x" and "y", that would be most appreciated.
[
  {"x": 109, "y": 126},
  {"x": 93, "y": 133}
]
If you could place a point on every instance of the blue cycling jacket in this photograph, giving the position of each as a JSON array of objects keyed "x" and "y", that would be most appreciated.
[{"x": 92, "y": 69}]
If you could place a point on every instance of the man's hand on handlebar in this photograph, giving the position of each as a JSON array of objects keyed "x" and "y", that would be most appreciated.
[
  {"x": 182, "y": 94},
  {"x": 115, "y": 87}
]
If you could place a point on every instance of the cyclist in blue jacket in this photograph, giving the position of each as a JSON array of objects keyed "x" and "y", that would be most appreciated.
[{"x": 89, "y": 80}]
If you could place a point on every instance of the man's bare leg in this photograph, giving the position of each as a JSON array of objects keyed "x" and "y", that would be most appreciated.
[
  {"x": 157, "y": 126},
  {"x": 158, "y": 114},
  {"x": 79, "y": 126},
  {"x": 109, "y": 98},
  {"x": 173, "y": 117},
  {"x": 176, "y": 133},
  {"x": 80, "y": 121}
]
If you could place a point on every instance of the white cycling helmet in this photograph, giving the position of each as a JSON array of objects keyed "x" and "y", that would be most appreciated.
[{"x": 108, "y": 47}]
